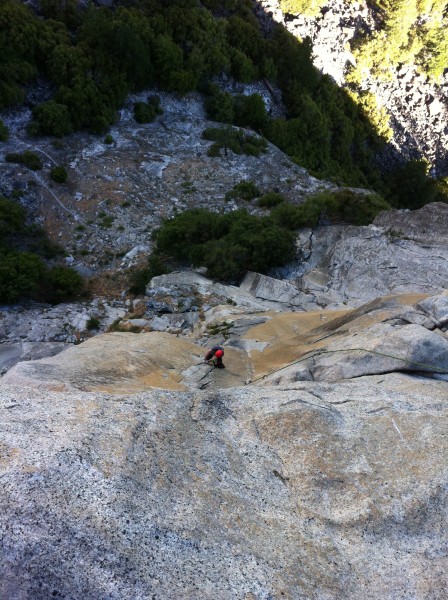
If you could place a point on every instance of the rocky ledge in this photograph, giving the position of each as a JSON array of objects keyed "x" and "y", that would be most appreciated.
[{"x": 313, "y": 466}]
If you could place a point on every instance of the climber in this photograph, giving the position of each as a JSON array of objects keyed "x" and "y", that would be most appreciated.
[{"x": 214, "y": 356}]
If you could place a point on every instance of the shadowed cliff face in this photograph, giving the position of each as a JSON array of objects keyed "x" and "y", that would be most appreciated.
[{"x": 417, "y": 106}]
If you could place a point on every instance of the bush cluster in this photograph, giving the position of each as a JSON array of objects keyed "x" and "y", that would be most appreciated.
[
  {"x": 229, "y": 138},
  {"x": 59, "y": 174},
  {"x": 139, "y": 278},
  {"x": 24, "y": 273},
  {"x": 244, "y": 190},
  {"x": 28, "y": 158},
  {"x": 227, "y": 245},
  {"x": 245, "y": 111},
  {"x": 146, "y": 112},
  {"x": 270, "y": 199},
  {"x": 339, "y": 206}
]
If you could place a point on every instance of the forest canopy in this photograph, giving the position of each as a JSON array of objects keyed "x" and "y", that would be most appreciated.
[{"x": 93, "y": 57}]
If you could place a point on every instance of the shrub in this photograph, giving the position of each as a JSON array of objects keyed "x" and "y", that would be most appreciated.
[
  {"x": 106, "y": 221},
  {"x": 245, "y": 190},
  {"x": 51, "y": 118},
  {"x": 340, "y": 206},
  {"x": 12, "y": 218},
  {"x": 227, "y": 245},
  {"x": 62, "y": 284},
  {"x": 59, "y": 174},
  {"x": 343, "y": 205},
  {"x": 349, "y": 206},
  {"x": 93, "y": 323},
  {"x": 146, "y": 112},
  {"x": 109, "y": 139},
  {"x": 219, "y": 105},
  {"x": 270, "y": 200},
  {"x": 293, "y": 217},
  {"x": 214, "y": 150},
  {"x": 242, "y": 110},
  {"x": 227, "y": 138},
  {"x": 140, "y": 278},
  {"x": 250, "y": 111},
  {"x": 28, "y": 158},
  {"x": 21, "y": 274}
]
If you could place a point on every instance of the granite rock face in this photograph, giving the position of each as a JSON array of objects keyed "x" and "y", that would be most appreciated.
[
  {"x": 34, "y": 331},
  {"x": 132, "y": 470},
  {"x": 321, "y": 491},
  {"x": 401, "y": 252}
]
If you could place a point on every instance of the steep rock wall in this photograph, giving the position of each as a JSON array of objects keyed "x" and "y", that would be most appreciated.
[{"x": 418, "y": 107}]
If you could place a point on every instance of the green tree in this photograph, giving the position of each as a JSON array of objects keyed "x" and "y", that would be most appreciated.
[
  {"x": 410, "y": 186},
  {"x": 250, "y": 111},
  {"x": 52, "y": 118},
  {"x": 220, "y": 106},
  {"x": 62, "y": 284},
  {"x": 20, "y": 275}
]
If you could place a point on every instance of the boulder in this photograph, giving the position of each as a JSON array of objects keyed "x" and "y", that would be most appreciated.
[
  {"x": 181, "y": 291},
  {"x": 436, "y": 307},
  {"x": 267, "y": 288}
]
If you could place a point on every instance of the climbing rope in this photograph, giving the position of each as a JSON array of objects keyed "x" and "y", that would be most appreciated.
[{"x": 318, "y": 352}]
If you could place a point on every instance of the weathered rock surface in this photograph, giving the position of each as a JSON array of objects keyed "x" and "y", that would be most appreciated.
[
  {"x": 382, "y": 348},
  {"x": 401, "y": 252},
  {"x": 324, "y": 491},
  {"x": 34, "y": 331},
  {"x": 119, "y": 483},
  {"x": 401, "y": 333},
  {"x": 270, "y": 289},
  {"x": 184, "y": 291}
]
